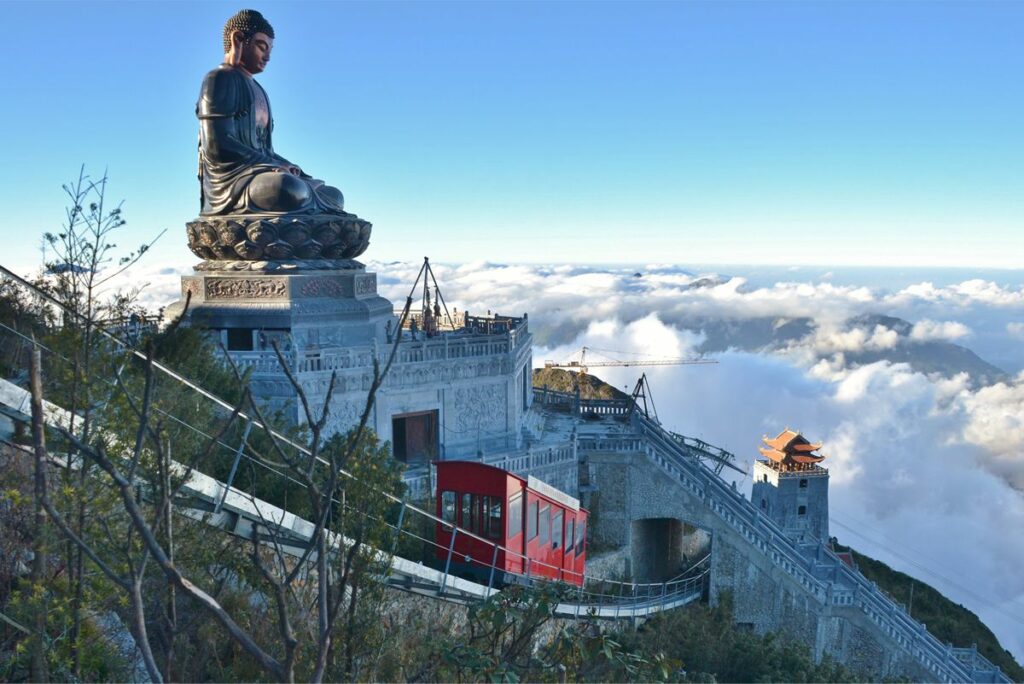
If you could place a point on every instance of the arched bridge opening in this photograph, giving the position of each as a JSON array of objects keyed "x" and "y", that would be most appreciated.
[{"x": 664, "y": 548}]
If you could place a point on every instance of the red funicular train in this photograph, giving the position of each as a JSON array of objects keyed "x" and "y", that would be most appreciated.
[{"x": 539, "y": 530}]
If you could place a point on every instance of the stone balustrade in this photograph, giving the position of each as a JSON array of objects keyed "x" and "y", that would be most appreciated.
[{"x": 444, "y": 347}]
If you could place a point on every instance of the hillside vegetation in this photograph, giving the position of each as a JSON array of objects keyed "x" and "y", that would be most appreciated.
[
  {"x": 711, "y": 648},
  {"x": 591, "y": 387},
  {"x": 949, "y": 622}
]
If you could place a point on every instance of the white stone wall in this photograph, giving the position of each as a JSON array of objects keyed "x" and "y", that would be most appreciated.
[{"x": 479, "y": 400}]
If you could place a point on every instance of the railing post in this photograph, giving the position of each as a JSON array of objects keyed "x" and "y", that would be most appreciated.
[
  {"x": 579, "y": 594},
  {"x": 494, "y": 561},
  {"x": 234, "y": 467},
  {"x": 448, "y": 562},
  {"x": 398, "y": 528}
]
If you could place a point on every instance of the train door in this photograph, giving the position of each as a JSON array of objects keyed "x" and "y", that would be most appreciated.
[
  {"x": 532, "y": 533},
  {"x": 581, "y": 543},
  {"x": 569, "y": 553},
  {"x": 557, "y": 540},
  {"x": 515, "y": 535},
  {"x": 545, "y": 565}
]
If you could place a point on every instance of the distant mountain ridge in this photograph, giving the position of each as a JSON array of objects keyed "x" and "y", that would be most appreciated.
[{"x": 776, "y": 334}]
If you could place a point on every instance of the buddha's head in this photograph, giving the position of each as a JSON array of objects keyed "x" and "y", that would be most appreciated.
[{"x": 248, "y": 40}]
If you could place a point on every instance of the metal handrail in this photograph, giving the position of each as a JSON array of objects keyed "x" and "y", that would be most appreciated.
[{"x": 407, "y": 506}]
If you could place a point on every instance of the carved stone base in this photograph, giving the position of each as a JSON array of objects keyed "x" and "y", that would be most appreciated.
[
  {"x": 276, "y": 237},
  {"x": 337, "y": 306}
]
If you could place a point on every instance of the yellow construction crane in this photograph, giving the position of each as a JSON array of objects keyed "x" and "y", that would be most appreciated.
[{"x": 582, "y": 365}]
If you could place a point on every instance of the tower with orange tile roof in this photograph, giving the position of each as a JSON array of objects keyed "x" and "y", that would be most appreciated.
[{"x": 791, "y": 486}]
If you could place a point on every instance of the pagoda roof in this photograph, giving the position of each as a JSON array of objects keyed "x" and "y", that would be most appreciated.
[
  {"x": 791, "y": 440},
  {"x": 782, "y": 456},
  {"x": 791, "y": 449}
]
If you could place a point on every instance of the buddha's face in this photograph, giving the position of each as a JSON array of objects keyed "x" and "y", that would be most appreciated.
[{"x": 255, "y": 52}]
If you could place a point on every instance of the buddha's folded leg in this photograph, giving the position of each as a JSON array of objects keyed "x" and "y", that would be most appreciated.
[
  {"x": 329, "y": 197},
  {"x": 279, "y": 191}
]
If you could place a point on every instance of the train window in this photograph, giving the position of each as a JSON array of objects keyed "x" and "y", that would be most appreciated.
[
  {"x": 570, "y": 534},
  {"x": 478, "y": 521},
  {"x": 492, "y": 513},
  {"x": 544, "y": 523},
  {"x": 556, "y": 531},
  {"x": 515, "y": 514},
  {"x": 448, "y": 507},
  {"x": 531, "y": 521},
  {"x": 581, "y": 535},
  {"x": 468, "y": 508}
]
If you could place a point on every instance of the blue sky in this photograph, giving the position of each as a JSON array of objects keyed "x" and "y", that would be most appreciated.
[{"x": 751, "y": 132}]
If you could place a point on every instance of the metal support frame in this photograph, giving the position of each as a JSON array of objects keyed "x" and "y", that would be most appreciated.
[
  {"x": 448, "y": 563},
  {"x": 234, "y": 467},
  {"x": 398, "y": 528},
  {"x": 494, "y": 562}
]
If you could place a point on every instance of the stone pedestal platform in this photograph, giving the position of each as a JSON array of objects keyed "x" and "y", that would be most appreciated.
[{"x": 335, "y": 304}]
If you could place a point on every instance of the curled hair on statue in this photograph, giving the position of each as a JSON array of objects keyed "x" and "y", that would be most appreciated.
[{"x": 249, "y": 22}]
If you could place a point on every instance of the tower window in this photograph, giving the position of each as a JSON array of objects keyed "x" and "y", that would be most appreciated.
[
  {"x": 764, "y": 504},
  {"x": 803, "y": 483},
  {"x": 802, "y": 510},
  {"x": 239, "y": 339},
  {"x": 764, "y": 477}
]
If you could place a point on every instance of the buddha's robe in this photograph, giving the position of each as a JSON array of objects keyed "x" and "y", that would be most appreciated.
[{"x": 239, "y": 172}]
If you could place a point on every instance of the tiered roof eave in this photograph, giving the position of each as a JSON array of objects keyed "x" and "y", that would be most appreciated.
[{"x": 791, "y": 451}]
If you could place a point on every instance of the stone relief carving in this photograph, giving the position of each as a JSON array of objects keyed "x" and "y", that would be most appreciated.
[
  {"x": 366, "y": 284},
  {"x": 344, "y": 416},
  {"x": 480, "y": 408},
  {"x": 324, "y": 305},
  {"x": 323, "y": 287},
  {"x": 245, "y": 288}
]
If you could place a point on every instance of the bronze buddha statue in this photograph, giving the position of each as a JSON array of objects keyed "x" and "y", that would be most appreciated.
[{"x": 255, "y": 204}]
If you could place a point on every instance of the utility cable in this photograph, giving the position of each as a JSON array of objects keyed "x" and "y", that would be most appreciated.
[{"x": 988, "y": 602}]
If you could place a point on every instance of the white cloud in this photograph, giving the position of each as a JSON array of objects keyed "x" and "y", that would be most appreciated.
[
  {"x": 830, "y": 338},
  {"x": 926, "y": 330},
  {"x": 925, "y": 468},
  {"x": 968, "y": 292},
  {"x": 995, "y": 422}
]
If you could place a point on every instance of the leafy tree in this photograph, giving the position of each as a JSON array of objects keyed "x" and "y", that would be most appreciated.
[
  {"x": 514, "y": 636},
  {"x": 158, "y": 569},
  {"x": 711, "y": 648}
]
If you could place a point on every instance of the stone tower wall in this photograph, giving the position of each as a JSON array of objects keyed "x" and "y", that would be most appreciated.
[{"x": 782, "y": 495}]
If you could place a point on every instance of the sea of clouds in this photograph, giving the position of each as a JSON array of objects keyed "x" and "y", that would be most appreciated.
[{"x": 927, "y": 470}]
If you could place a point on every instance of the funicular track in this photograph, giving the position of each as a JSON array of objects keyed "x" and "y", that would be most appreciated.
[{"x": 244, "y": 515}]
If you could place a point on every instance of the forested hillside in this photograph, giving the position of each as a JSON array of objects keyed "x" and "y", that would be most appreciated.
[
  {"x": 591, "y": 387},
  {"x": 950, "y": 622}
]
